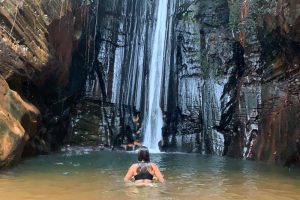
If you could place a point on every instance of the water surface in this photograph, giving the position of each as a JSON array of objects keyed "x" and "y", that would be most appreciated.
[{"x": 82, "y": 174}]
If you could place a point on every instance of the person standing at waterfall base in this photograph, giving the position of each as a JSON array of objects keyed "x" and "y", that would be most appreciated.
[
  {"x": 143, "y": 171},
  {"x": 137, "y": 129}
]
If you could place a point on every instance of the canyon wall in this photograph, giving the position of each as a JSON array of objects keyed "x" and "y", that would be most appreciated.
[
  {"x": 77, "y": 72},
  {"x": 198, "y": 51},
  {"x": 37, "y": 42},
  {"x": 230, "y": 83},
  {"x": 260, "y": 119}
]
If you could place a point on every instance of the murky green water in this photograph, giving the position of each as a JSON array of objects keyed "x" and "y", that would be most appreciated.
[{"x": 90, "y": 175}]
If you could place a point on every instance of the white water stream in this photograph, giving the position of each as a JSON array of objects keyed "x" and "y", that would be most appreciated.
[{"x": 154, "y": 119}]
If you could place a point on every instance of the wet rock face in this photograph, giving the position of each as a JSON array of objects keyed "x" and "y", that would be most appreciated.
[
  {"x": 280, "y": 41},
  {"x": 94, "y": 124},
  {"x": 102, "y": 124},
  {"x": 202, "y": 53},
  {"x": 37, "y": 41},
  {"x": 197, "y": 39},
  {"x": 260, "y": 119},
  {"x": 219, "y": 96},
  {"x": 24, "y": 45},
  {"x": 284, "y": 17}
]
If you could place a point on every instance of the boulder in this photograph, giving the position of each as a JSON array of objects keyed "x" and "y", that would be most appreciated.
[{"x": 19, "y": 122}]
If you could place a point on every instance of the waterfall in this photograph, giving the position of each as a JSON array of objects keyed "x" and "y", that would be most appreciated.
[{"x": 154, "y": 120}]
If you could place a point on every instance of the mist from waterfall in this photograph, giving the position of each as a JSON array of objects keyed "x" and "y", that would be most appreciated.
[{"x": 154, "y": 120}]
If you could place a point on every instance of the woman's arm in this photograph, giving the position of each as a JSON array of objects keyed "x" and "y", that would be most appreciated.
[
  {"x": 157, "y": 173},
  {"x": 130, "y": 173}
]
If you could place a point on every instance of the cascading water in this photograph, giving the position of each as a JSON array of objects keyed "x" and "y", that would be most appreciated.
[{"x": 154, "y": 120}]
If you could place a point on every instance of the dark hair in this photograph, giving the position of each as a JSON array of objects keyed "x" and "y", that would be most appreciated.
[{"x": 143, "y": 154}]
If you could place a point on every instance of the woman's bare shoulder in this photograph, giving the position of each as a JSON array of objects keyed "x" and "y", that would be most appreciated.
[
  {"x": 133, "y": 166},
  {"x": 154, "y": 165}
]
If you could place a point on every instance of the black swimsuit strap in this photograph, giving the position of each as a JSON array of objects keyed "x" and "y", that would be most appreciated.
[{"x": 143, "y": 172}]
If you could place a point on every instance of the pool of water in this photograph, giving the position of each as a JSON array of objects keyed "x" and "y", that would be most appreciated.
[{"x": 82, "y": 174}]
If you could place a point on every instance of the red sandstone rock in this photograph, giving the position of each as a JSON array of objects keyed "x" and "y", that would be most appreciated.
[
  {"x": 18, "y": 123},
  {"x": 37, "y": 40}
]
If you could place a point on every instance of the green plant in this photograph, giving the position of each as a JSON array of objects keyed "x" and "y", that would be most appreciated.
[{"x": 254, "y": 9}]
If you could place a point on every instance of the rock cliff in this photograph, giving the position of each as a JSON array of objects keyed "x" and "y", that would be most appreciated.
[
  {"x": 78, "y": 72},
  {"x": 37, "y": 42},
  {"x": 260, "y": 118}
]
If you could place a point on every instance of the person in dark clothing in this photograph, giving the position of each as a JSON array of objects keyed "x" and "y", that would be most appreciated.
[
  {"x": 136, "y": 128},
  {"x": 132, "y": 140},
  {"x": 124, "y": 140}
]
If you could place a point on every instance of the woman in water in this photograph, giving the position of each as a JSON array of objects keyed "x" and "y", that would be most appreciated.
[{"x": 143, "y": 171}]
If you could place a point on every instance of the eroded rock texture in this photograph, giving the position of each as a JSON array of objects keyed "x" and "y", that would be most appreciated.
[
  {"x": 230, "y": 77},
  {"x": 19, "y": 121},
  {"x": 261, "y": 102},
  {"x": 37, "y": 41},
  {"x": 226, "y": 90},
  {"x": 279, "y": 36},
  {"x": 198, "y": 49}
]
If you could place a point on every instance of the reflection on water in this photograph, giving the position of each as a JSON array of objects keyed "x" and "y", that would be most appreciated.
[{"x": 86, "y": 174}]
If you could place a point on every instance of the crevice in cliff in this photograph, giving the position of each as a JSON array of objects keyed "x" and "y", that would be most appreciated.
[{"x": 229, "y": 123}]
